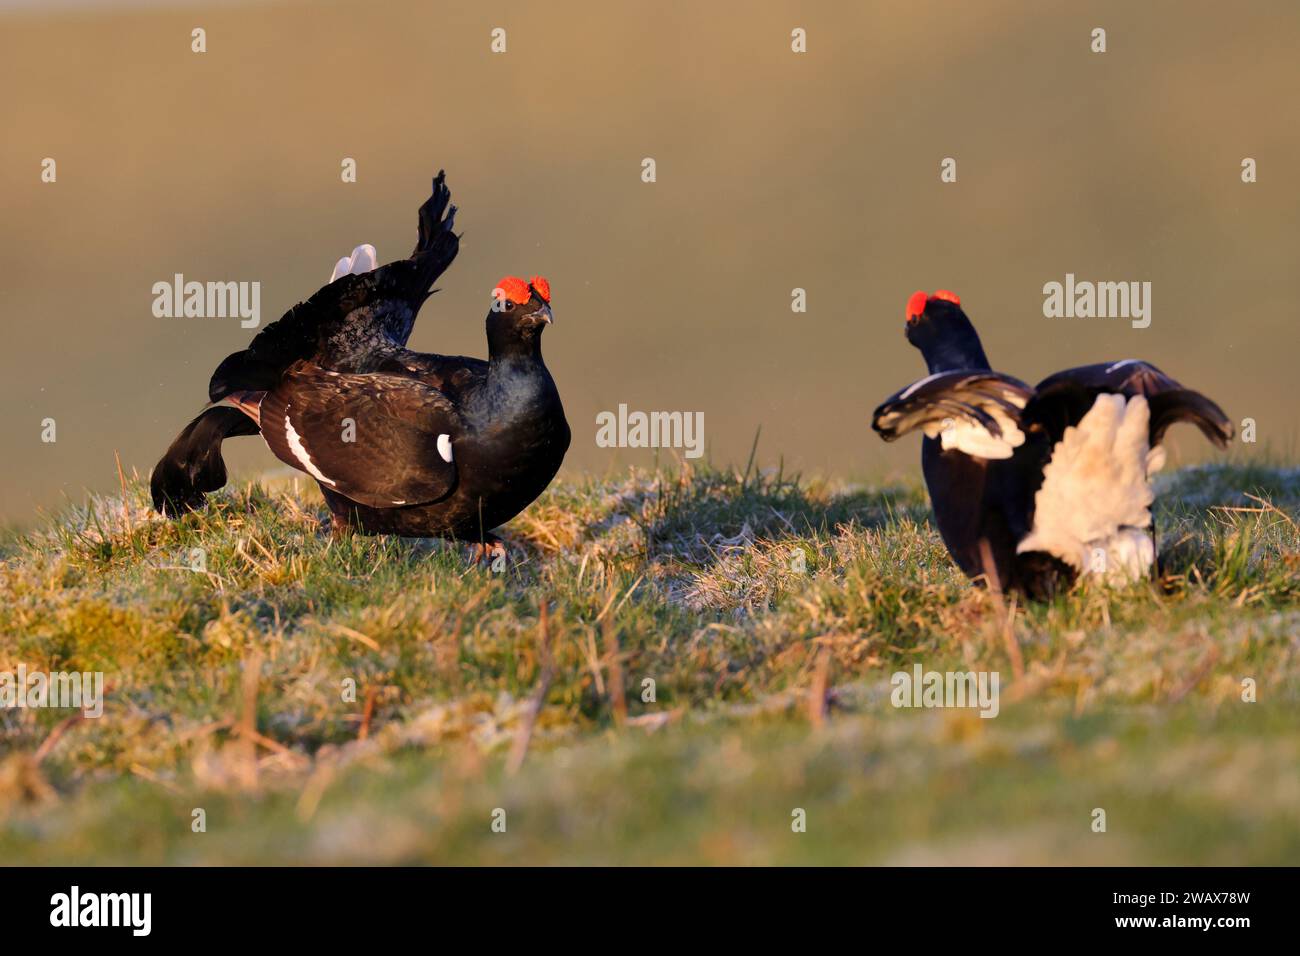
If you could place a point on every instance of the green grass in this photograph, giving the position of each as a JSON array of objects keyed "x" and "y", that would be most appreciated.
[{"x": 737, "y": 595}]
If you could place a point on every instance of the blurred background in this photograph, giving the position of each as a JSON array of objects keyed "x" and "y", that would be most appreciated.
[{"x": 775, "y": 170}]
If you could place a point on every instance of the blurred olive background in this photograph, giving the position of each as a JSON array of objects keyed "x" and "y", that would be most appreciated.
[{"x": 775, "y": 171}]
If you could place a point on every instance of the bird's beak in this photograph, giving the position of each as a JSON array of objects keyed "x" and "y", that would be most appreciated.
[{"x": 543, "y": 315}]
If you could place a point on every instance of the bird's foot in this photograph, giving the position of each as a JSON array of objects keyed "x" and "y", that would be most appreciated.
[{"x": 492, "y": 553}]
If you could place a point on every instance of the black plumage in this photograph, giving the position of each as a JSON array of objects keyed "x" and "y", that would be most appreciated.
[
  {"x": 400, "y": 442},
  {"x": 992, "y": 441}
]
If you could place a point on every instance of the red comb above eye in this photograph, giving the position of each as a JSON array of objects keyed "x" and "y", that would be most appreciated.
[
  {"x": 542, "y": 288},
  {"x": 514, "y": 289},
  {"x": 916, "y": 304},
  {"x": 947, "y": 296}
]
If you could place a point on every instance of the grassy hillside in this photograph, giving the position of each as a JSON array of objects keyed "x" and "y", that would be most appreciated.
[{"x": 769, "y": 615}]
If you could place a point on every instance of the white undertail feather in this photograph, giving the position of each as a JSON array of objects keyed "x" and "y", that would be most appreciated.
[
  {"x": 364, "y": 258},
  {"x": 1093, "y": 510}
]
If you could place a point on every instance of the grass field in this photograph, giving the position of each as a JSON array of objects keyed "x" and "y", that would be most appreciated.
[{"x": 769, "y": 614}]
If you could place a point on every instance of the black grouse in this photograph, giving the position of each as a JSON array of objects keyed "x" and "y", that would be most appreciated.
[
  {"x": 1034, "y": 487},
  {"x": 400, "y": 442}
]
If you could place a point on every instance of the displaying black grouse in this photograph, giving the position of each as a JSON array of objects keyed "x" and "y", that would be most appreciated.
[
  {"x": 1033, "y": 487},
  {"x": 400, "y": 442}
]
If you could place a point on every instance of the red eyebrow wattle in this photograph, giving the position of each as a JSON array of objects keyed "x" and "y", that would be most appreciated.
[
  {"x": 515, "y": 289},
  {"x": 916, "y": 304}
]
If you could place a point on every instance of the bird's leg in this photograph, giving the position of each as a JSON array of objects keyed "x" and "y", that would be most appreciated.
[{"x": 991, "y": 577}]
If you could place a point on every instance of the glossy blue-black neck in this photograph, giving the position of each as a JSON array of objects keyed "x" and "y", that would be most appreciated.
[
  {"x": 947, "y": 339},
  {"x": 954, "y": 356}
]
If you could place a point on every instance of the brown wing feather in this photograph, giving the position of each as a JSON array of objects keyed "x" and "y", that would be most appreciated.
[
  {"x": 452, "y": 375},
  {"x": 373, "y": 438}
]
